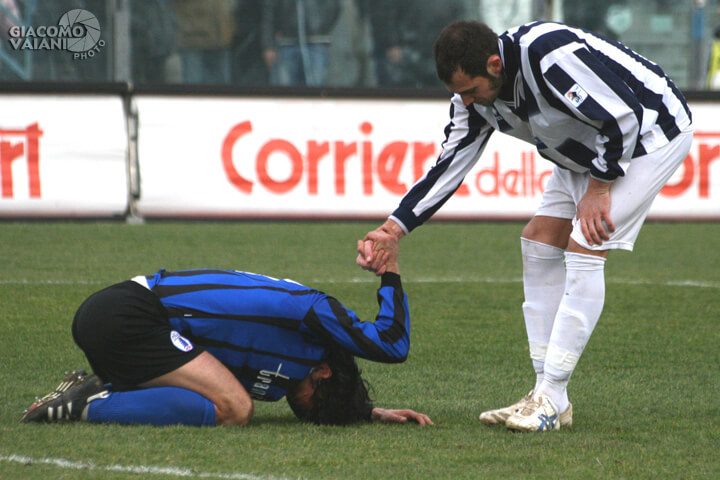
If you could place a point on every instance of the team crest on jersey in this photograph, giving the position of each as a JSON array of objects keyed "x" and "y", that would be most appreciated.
[
  {"x": 576, "y": 95},
  {"x": 180, "y": 342}
]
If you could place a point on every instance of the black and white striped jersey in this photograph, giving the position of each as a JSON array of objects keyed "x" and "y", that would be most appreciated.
[{"x": 588, "y": 104}]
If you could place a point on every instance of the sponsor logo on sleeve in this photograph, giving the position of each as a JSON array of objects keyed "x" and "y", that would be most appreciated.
[
  {"x": 180, "y": 342},
  {"x": 576, "y": 95}
]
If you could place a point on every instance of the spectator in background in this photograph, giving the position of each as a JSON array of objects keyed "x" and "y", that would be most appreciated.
[
  {"x": 9, "y": 17},
  {"x": 296, "y": 40},
  {"x": 248, "y": 67},
  {"x": 713, "y": 75},
  {"x": 403, "y": 33},
  {"x": 56, "y": 65},
  {"x": 205, "y": 31},
  {"x": 590, "y": 16},
  {"x": 153, "y": 31},
  {"x": 98, "y": 68},
  {"x": 49, "y": 65}
]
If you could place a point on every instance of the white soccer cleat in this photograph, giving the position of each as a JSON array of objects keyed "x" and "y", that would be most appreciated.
[
  {"x": 539, "y": 415},
  {"x": 500, "y": 415}
]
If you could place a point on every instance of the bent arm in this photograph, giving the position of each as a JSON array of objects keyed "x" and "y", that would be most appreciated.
[
  {"x": 386, "y": 340},
  {"x": 466, "y": 136}
]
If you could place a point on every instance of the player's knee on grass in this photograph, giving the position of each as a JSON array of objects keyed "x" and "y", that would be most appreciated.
[{"x": 233, "y": 411}]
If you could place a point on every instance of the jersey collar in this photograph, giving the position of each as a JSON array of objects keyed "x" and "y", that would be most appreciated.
[{"x": 510, "y": 68}]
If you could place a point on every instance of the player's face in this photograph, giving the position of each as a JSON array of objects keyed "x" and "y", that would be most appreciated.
[
  {"x": 303, "y": 394},
  {"x": 478, "y": 89}
]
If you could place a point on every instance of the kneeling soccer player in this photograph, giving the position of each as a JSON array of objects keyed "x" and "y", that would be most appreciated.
[{"x": 196, "y": 347}]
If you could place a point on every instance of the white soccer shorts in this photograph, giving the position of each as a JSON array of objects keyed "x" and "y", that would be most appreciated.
[{"x": 630, "y": 196}]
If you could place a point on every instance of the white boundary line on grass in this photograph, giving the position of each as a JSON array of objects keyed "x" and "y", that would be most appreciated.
[
  {"x": 136, "y": 469},
  {"x": 370, "y": 279}
]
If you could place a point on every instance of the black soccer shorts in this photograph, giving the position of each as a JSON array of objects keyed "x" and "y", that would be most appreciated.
[{"x": 126, "y": 336}]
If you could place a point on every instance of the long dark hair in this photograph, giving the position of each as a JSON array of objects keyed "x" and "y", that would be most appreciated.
[
  {"x": 464, "y": 45},
  {"x": 343, "y": 398}
]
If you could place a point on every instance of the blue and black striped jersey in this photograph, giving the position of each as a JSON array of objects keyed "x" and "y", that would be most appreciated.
[
  {"x": 269, "y": 332},
  {"x": 586, "y": 103}
]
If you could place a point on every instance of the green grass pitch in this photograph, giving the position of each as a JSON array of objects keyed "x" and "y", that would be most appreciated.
[{"x": 645, "y": 392}]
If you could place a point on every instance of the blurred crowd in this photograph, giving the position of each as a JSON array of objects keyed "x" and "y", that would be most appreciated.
[
  {"x": 292, "y": 42},
  {"x": 250, "y": 43},
  {"x": 253, "y": 42}
]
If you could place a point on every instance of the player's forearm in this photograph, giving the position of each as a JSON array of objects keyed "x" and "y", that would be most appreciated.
[
  {"x": 392, "y": 267},
  {"x": 597, "y": 186},
  {"x": 393, "y": 319},
  {"x": 385, "y": 340}
]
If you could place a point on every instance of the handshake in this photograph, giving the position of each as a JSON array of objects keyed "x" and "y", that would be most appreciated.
[{"x": 378, "y": 252}]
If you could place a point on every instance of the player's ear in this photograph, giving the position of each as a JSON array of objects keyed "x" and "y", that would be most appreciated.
[
  {"x": 494, "y": 65},
  {"x": 322, "y": 371}
]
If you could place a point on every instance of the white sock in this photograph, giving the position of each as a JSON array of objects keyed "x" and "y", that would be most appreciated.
[
  {"x": 543, "y": 284},
  {"x": 579, "y": 311}
]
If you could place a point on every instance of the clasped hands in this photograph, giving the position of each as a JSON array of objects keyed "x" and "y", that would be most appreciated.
[{"x": 378, "y": 252}]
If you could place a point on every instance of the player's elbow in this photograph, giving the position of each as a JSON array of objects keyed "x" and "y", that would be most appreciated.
[
  {"x": 400, "y": 353},
  {"x": 234, "y": 412},
  {"x": 400, "y": 358}
]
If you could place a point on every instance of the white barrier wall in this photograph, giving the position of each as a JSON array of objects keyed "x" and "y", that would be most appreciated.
[
  {"x": 62, "y": 156},
  {"x": 67, "y": 156},
  {"x": 314, "y": 158}
]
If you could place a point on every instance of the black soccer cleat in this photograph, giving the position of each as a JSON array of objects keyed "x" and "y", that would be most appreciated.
[{"x": 67, "y": 401}]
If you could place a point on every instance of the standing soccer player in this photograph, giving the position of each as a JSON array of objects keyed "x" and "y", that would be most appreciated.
[
  {"x": 197, "y": 347},
  {"x": 615, "y": 126}
]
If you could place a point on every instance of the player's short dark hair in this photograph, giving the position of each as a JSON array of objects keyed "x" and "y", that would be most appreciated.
[
  {"x": 464, "y": 45},
  {"x": 341, "y": 399}
]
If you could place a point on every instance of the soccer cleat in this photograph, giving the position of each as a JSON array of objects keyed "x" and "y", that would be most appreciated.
[
  {"x": 500, "y": 415},
  {"x": 566, "y": 417},
  {"x": 69, "y": 380},
  {"x": 67, "y": 401},
  {"x": 539, "y": 415}
]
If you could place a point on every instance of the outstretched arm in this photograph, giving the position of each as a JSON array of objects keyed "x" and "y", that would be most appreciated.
[{"x": 466, "y": 136}]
